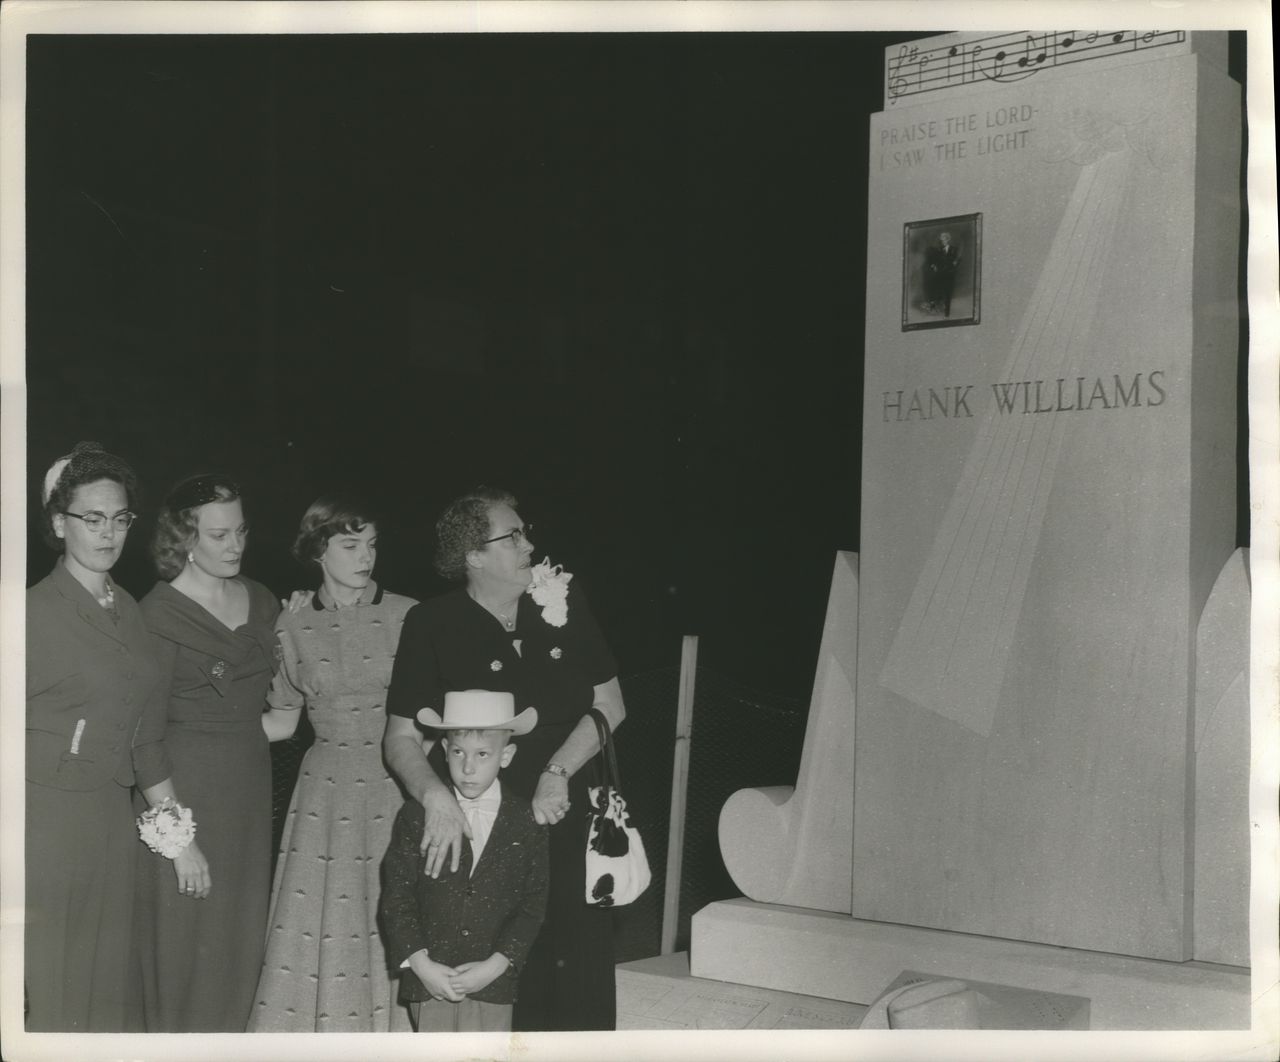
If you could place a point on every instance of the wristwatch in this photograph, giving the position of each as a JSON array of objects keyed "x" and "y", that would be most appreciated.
[{"x": 555, "y": 768}]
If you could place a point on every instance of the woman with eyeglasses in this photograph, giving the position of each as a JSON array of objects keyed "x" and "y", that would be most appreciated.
[
  {"x": 91, "y": 710},
  {"x": 325, "y": 969},
  {"x": 491, "y": 634},
  {"x": 213, "y": 630}
]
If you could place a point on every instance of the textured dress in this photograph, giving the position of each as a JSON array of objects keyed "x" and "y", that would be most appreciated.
[
  {"x": 452, "y": 643},
  {"x": 91, "y": 706},
  {"x": 325, "y": 969},
  {"x": 200, "y": 958}
]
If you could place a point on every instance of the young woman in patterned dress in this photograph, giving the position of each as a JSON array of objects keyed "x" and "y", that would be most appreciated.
[{"x": 325, "y": 970}]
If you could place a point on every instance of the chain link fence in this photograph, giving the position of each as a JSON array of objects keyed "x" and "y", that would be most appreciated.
[{"x": 740, "y": 737}]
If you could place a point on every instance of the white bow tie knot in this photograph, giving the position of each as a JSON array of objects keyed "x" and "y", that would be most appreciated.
[
  {"x": 480, "y": 813},
  {"x": 486, "y": 804}
]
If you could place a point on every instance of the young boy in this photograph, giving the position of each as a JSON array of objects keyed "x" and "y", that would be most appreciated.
[{"x": 462, "y": 937}]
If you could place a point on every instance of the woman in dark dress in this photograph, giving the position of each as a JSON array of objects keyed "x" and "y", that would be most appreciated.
[
  {"x": 491, "y": 634},
  {"x": 201, "y": 945},
  {"x": 91, "y": 710}
]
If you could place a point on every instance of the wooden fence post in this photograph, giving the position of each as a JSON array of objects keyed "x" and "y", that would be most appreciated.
[{"x": 679, "y": 792}]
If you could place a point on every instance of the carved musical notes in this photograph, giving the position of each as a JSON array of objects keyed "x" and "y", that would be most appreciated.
[
  {"x": 975, "y": 55},
  {"x": 1034, "y": 54},
  {"x": 898, "y": 70},
  {"x": 963, "y": 59}
]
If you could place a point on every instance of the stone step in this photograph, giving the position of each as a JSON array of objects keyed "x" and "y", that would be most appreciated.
[
  {"x": 659, "y": 993},
  {"x": 775, "y": 947}
]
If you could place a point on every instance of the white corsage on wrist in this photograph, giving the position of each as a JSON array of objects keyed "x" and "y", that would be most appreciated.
[
  {"x": 550, "y": 589},
  {"x": 167, "y": 828}
]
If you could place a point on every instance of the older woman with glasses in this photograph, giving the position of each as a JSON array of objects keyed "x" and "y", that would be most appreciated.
[
  {"x": 91, "y": 710},
  {"x": 213, "y": 630},
  {"x": 491, "y": 634}
]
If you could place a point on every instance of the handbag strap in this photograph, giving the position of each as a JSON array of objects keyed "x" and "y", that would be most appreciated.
[{"x": 608, "y": 757}]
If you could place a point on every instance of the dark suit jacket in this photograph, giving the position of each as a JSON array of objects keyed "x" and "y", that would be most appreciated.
[
  {"x": 82, "y": 665},
  {"x": 462, "y": 918}
]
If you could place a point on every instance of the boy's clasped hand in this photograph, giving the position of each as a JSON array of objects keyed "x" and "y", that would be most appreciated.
[{"x": 456, "y": 983}]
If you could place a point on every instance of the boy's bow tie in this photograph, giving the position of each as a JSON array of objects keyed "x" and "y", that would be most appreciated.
[{"x": 485, "y": 802}]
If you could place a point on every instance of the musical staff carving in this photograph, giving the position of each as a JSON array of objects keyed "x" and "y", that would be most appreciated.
[{"x": 1008, "y": 57}]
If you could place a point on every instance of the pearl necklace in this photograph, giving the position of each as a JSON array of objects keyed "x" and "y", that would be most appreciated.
[{"x": 508, "y": 624}]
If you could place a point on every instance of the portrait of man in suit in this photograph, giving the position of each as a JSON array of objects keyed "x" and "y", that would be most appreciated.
[{"x": 941, "y": 272}]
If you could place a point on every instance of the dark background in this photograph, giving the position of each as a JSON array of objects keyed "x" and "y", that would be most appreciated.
[{"x": 621, "y": 274}]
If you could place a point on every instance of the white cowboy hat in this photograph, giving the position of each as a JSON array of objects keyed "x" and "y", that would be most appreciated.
[{"x": 480, "y": 710}]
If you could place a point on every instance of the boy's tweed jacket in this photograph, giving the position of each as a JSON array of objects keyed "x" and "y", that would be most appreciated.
[{"x": 463, "y": 918}]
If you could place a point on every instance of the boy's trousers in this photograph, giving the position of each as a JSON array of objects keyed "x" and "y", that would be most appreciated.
[{"x": 467, "y": 1015}]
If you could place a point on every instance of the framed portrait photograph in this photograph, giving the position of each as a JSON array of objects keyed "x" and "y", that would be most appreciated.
[{"x": 942, "y": 272}]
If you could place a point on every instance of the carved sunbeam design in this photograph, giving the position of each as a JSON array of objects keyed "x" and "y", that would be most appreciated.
[{"x": 952, "y": 646}]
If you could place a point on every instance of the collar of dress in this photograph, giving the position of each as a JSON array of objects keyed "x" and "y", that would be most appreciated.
[{"x": 370, "y": 595}]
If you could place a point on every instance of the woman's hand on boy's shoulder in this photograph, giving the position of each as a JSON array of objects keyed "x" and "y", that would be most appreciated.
[{"x": 444, "y": 827}]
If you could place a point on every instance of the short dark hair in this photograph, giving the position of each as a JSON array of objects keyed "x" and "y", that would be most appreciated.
[
  {"x": 178, "y": 520},
  {"x": 87, "y": 463},
  {"x": 464, "y": 526},
  {"x": 329, "y": 515}
]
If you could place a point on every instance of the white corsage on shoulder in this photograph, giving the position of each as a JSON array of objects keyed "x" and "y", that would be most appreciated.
[
  {"x": 550, "y": 589},
  {"x": 167, "y": 828}
]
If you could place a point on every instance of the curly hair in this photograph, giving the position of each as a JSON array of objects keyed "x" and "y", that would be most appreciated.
[
  {"x": 178, "y": 522},
  {"x": 464, "y": 526},
  {"x": 87, "y": 463},
  {"x": 329, "y": 515}
]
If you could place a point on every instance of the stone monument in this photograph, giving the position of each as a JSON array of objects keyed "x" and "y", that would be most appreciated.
[{"x": 1032, "y": 695}]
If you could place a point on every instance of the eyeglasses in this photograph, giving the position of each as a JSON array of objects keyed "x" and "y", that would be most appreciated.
[
  {"x": 96, "y": 521},
  {"x": 520, "y": 534}
]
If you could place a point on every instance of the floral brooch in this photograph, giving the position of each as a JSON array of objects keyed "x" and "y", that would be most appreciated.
[{"x": 550, "y": 589}]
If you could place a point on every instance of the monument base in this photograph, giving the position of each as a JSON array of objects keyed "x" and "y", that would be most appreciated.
[
  {"x": 819, "y": 953},
  {"x": 658, "y": 993}
]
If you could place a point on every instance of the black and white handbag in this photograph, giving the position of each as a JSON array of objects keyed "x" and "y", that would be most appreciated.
[{"x": 617, "y": 868}]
